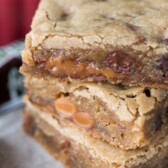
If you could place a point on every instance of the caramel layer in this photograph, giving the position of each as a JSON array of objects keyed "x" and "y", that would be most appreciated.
[
  {"x": 78, "y": 69},
  {"x": 111, "y": 66}
]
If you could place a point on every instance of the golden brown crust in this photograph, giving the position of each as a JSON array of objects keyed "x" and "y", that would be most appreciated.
[{"x": 98, "y": 23}]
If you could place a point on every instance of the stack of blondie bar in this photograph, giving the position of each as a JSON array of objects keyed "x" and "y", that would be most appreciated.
[{"x": 96, "y": 79}]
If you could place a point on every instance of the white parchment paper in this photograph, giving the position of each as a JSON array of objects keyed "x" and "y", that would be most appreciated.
[{"x": 17, "y": 150}]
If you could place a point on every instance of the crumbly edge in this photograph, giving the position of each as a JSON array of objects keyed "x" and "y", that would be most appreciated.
[{"x": 103, "y": 150}]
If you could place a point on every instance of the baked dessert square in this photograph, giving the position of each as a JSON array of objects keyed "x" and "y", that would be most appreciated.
[
  {"x": 127, "y": 117},
  {"x": 96, "y": 77},
  {"x": 76, "y": 150},
  {"x": 95, "y": 40}
]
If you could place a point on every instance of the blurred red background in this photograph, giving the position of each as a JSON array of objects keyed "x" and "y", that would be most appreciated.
[{"x": 15, "y": 19}]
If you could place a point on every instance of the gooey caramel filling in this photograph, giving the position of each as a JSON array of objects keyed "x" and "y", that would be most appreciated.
[
  {"x": 99, "y": 65},
  {"x": 82, "y": 70}
]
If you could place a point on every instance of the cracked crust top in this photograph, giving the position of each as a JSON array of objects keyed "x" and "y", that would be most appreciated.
[{"x": 98, "y": 23}]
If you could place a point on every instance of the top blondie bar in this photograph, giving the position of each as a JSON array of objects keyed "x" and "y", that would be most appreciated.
[{"x": 116, "y": 41}]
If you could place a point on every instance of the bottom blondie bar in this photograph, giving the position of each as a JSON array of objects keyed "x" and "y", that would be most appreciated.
[{"x": 76, "y": 150}]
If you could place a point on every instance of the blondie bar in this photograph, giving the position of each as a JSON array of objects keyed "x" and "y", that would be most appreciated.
[
  {"x": 128, "y": 117},
  {"x": 96, "y": 79},
  {"x": 113, "y": 40}
]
